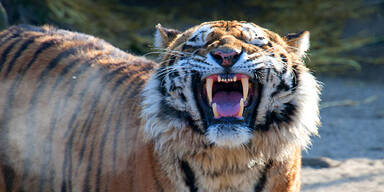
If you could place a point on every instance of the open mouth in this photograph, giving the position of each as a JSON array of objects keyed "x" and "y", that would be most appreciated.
[
  {"x": 227, "y": 94},
  {"x": 228, "y": 98}
]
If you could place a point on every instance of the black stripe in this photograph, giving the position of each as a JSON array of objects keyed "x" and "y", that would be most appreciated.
[
  {"x": 8, "y": 174},
  {"x": 5, "y": 53},
  {"x": 86, "y": 185},
  {"x": 189, "y": 176},
  {"x": 121, "y": 117},
  {"x": 117, "y": 133},
  {"x": 120, "y": 81},
  {"x": 118, "y": 128},
  {"x": 58, "y": 109},
  {"x": 282, "y": 86},
  {"x": 67, "y": 165},
  {"x": 102, "y": 146},
  {"x": 42, "y": 48},
  {"x": 284, "y": 116},
  {"x": 31, "y": 119},
  {"x": 114, "y": 107},
  {"x": 196, "y": 86},
  {"x": 284, "y": 70},
  {"x": 161, "y": 87},
  {"x": 118, "y": 125},
  {"x": 91, "y": 115},
  {"x": 33, "y": 104},
  {"x": 72, "y": 129},
  {"x": 204, "y": 62},
  {"x": 255, "y": 110},
  {"x": 158, "y": 185},
  {"x": 15, "y": 31},
  {"x": 60, "y": 105},
  {"x": 80, "y": 100},
  {"x": 68, "y": 149},
  {"x": 47, "y": 157},
  {"x": 168, "y": 112},
  {"x": 172, "y": 60},
  {"x": 23, "y": 47},
  {"x": 7, "y": 112},
  {"x": 55, "y": 62},
  {"x": 291, "y": 36},
  {"x": 268, "y": 77},
  {"x": 295, "y": 79},
  {"x": 259, "y": 186},
  {"x": 283, "y": 58},
  {"x": 66, "y": 182},
  {"x": 62, "y": 74}
]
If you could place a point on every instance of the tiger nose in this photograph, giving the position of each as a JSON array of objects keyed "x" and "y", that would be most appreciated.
[{"x": 225, "y": 58}]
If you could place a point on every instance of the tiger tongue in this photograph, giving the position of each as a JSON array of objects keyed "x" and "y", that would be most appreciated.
[{"x": 227, "y": 103}]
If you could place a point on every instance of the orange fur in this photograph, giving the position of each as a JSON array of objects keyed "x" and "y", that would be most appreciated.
[{"x": 70, "y": 107}]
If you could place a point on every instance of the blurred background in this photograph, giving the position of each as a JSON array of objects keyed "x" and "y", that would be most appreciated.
[
  {"x": 347, "y": 46},
  {"x": 344, "y": 33}
]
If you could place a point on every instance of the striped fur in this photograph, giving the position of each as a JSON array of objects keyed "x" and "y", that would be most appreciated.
[
  {"x": 77, "y": 114},
  {"x": 263, "y": 155},
  {"x": 69, "y": 112}
]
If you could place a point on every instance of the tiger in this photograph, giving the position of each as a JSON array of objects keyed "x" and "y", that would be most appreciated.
[{"x": 227, "y": 106}]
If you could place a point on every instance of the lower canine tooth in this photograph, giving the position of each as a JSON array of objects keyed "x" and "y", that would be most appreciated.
[
  {"x": 241, "y": 109},
  {"x": 214, "y": 109}
]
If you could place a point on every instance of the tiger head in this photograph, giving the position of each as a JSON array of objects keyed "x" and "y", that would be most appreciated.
[{"x": 228, "y": 83}]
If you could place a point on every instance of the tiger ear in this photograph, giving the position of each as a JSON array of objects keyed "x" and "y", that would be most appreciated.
[
  {"x": 164, "y": 36},
  {"x": 298, "y": 42}
]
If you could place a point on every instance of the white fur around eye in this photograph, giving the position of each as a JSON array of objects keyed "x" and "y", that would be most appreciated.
[
  {"x": 199, "y": 37},
  {"x": 254, "y": 34}
]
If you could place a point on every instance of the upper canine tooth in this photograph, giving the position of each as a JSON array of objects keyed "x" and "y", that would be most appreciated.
[
  {"x": 214, "y": 109},
  {"x": 245, "y": 83},
  {"x": 208, "y": 87},
  {"x": 234, "y": 78},
  {"x": 219, "y": 79}
]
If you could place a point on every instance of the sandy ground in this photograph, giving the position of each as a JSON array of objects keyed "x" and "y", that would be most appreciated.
[{"x": 349, "y": 154}]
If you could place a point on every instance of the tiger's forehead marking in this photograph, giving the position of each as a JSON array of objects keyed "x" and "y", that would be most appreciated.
[
  {"x": 249, "y": 32},
  {"x": 254, "y": 34},
  {"x": 199, "y": 37}
]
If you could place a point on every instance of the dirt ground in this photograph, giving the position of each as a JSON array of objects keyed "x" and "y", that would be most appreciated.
[{"x": 349, "y": 154}]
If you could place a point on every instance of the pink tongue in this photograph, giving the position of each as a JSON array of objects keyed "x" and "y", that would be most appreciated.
[{"x": 227, "y": 103}]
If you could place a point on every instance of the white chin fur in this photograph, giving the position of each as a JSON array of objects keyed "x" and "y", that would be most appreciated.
[{"x": 228, "y": 135}]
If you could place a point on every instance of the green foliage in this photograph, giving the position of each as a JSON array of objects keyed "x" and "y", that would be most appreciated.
[
  {"x": 129, "y": 24},
  {"x": 3, "y": 18}
]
